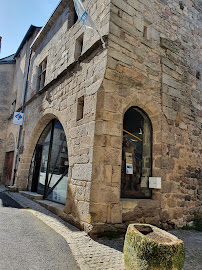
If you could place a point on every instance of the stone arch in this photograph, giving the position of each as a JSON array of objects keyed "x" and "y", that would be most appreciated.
[
  {"x": 157, "y": 118},
  {"x": 106, "y": 183},
  {"x": 151, "y": 108},
  {"x": 24, "y": 165},
  {"x": 146, "y": 104},
  {"x": 155, "y": 114},
  {"x": 136, "y": 154}
]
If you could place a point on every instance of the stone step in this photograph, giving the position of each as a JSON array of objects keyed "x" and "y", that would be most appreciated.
[
  {"x": 2, "y": 188},
  {"x": 13, "y": 188},
  {"x": 54, "y": 207},
  {"x": 31, "y": 195}
]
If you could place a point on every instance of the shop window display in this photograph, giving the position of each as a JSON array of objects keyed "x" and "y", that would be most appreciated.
[
  {"x": 136, "y": 155},
  {"x": 49, "y": 166}
]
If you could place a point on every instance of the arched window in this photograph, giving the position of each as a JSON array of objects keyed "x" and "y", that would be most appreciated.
[
  {"x": 49, "y": 166},
  {"x": 136, "y": 155}
]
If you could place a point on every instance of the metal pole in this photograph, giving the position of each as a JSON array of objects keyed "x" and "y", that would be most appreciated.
[{"x": 23, "y": 107}]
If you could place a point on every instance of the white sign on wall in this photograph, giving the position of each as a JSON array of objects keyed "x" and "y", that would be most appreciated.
[
  {"x": 18, "y": 118},
  {"x": 129, "y": 163},
  {"x": 155, "y": 182}
]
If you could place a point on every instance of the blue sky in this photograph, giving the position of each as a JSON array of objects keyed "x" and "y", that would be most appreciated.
[{"x": 16, "y": 18}]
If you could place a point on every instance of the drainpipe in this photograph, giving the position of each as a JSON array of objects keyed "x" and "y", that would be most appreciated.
[{"x": 23, "y": 107}]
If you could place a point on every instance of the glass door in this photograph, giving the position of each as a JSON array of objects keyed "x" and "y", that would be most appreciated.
[
  {"x": 49, "y": 166},
  {"x": 44, "y": 141},
  {"x": 58, "y": 167}
]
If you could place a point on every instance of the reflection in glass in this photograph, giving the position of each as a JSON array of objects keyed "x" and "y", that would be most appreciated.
[
  {"x": 49, "y": 165},
  {"x": 136, "y": 155},
  {"x": 58, "y": 168},
  {"x": 31, "y": 171},
  {"x": 44, "y": 141}
]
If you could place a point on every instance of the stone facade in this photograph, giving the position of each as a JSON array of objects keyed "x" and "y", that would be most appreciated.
[
  {"x": 152, "y": 60},
  {"x": 156, "y": 71},
  {"x": 67, "y": 79},
  {"x": 7, "y": 70},
  {"x": 13, "y": 71}
]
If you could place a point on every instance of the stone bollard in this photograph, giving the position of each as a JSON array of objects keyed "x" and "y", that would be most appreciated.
[{"x": 147, "y": 247}]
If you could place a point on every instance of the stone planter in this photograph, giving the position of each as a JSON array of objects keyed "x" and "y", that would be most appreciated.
[{"x": 147, "y": 247}]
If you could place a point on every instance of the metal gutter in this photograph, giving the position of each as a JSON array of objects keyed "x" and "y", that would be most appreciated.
[{"x": 22, "y": 110}]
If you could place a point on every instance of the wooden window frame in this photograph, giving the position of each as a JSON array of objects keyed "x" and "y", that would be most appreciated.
[{"x": 42, "y": 74}]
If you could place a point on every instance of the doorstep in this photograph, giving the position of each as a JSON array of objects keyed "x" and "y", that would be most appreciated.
[
  {"x": 31, "y": 195},
  {"x": 54, "y": 207},
  {"x": 13, "y": 188}
]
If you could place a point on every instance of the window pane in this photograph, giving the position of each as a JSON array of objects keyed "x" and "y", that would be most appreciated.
[
  {"x": 49, "y": 166},
  {"x": 136, "y": 155},
  {"x": 58, "y": 169},
  {"x": 44, "y": 141},
  {"x": 31, "y": 171}
]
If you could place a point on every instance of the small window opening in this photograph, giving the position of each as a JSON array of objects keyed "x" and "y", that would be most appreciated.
[
  {"x": 78, "y": 47},
  {"x": 147, "y": 29},
  {"x": 13, "y": 106},
  {"x": 41, "y": 74},
  {"x": 80, "y": 108},
  {"x": 182, "y": 4},
  {"x": 72, "y": 16},
  {"x": 198, "y": 75},
  {"x": 145, "y": 32},
  {"x": 75, "y": 16}
]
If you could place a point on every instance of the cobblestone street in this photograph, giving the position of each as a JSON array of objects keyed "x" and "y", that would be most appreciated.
[{"x": 104, "y": 253}]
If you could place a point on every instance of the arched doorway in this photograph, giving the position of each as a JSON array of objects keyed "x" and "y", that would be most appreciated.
[
  {"x": 48, "y": 173},
  {"x": 136, "y": 155},
  {"x": 9, "y": 160}
]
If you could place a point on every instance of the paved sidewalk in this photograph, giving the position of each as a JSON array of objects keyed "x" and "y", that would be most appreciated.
[
  {"x": 26, "y": 243},
  {"x": 89, "y": 254},
  {"x": 105, "y": 254}
]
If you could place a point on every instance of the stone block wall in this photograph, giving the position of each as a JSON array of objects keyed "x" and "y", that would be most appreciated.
[
  {"x": 6, "y": 84},
  {"x": 154, "y": 62},
  {"x": 22, "y": 60},
  {"x": 15, "y": 90},
  {"x": 58, "y": 44},
  {"x": 67, "y": 79}
]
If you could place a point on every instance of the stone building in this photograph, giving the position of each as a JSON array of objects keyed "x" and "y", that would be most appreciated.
[
  {"x": 100, "y": 123},
  {"x": 12, "y": 81},
  {"x": 7, "y": 69}
]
